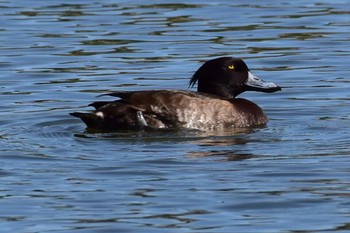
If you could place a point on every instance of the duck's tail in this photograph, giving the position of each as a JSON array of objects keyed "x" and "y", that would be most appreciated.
[
  {"x": 90, "y": 119},
  {"x": 132, "y": 119}
]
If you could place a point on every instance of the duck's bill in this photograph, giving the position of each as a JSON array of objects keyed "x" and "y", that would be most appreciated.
[{"x": 254, "y": 83}]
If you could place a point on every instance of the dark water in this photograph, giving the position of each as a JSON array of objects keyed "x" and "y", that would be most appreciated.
[{"x": 57, "y": 56}]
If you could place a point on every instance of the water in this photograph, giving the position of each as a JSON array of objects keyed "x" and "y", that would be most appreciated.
[{"x": 57, "y": 56}]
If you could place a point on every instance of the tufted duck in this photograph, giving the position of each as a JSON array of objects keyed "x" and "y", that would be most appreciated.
[{"x": 213, "y": 106}]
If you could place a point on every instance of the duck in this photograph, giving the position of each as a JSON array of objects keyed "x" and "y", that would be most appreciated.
[{"x": 213, "y": 106}]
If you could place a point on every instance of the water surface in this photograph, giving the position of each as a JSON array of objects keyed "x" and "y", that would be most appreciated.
[{"x": 57, "y": 56}]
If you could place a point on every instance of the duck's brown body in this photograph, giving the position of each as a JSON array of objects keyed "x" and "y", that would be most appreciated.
[
  {"x": 173, "y": 109},
  {"x": 213, "y": 107}
]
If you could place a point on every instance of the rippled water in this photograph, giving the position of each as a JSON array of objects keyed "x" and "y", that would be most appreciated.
[{"x": 57, "y": 56}]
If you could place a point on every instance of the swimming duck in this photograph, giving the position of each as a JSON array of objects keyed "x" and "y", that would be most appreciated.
[{"x": 213, "y": 107}]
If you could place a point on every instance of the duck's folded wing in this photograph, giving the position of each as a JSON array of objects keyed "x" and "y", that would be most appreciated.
[
  {"x": 138, "y": 94},
  {"x": 149, "y": 100},
  {"x": 168, "y": 108},
  {"x": 121, "y": 94},
  {"x": 99, "y": 104}
]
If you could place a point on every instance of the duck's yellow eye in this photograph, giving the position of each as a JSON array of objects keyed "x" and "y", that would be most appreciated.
[{"x": 231, "y": 67}]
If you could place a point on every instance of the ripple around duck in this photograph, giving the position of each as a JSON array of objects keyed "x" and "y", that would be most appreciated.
[
  {"x": 180, "y": 135},
  {"x": 55, "y": 129}
]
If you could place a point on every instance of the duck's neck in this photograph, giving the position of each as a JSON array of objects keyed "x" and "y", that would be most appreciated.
[{"x": 223, "y": 93}]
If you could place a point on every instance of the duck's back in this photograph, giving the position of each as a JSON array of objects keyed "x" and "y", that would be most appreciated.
[{"x": 173, "y": 109}]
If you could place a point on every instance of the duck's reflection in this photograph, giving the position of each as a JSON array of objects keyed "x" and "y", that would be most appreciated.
[
  {"x": 225, "y": 145},
  {"x": 225, "y": 155},
  {"x": 220, "y": 144}
]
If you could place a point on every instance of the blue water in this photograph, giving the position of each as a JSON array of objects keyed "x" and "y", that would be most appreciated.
[{"x": 57, "y": 56}]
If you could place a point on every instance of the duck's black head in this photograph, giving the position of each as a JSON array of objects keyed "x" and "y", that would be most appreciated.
[{"x": 228, "y": 77}]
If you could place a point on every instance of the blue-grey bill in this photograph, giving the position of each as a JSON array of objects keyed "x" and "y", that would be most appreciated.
[{"x": 256, "y": 84}]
